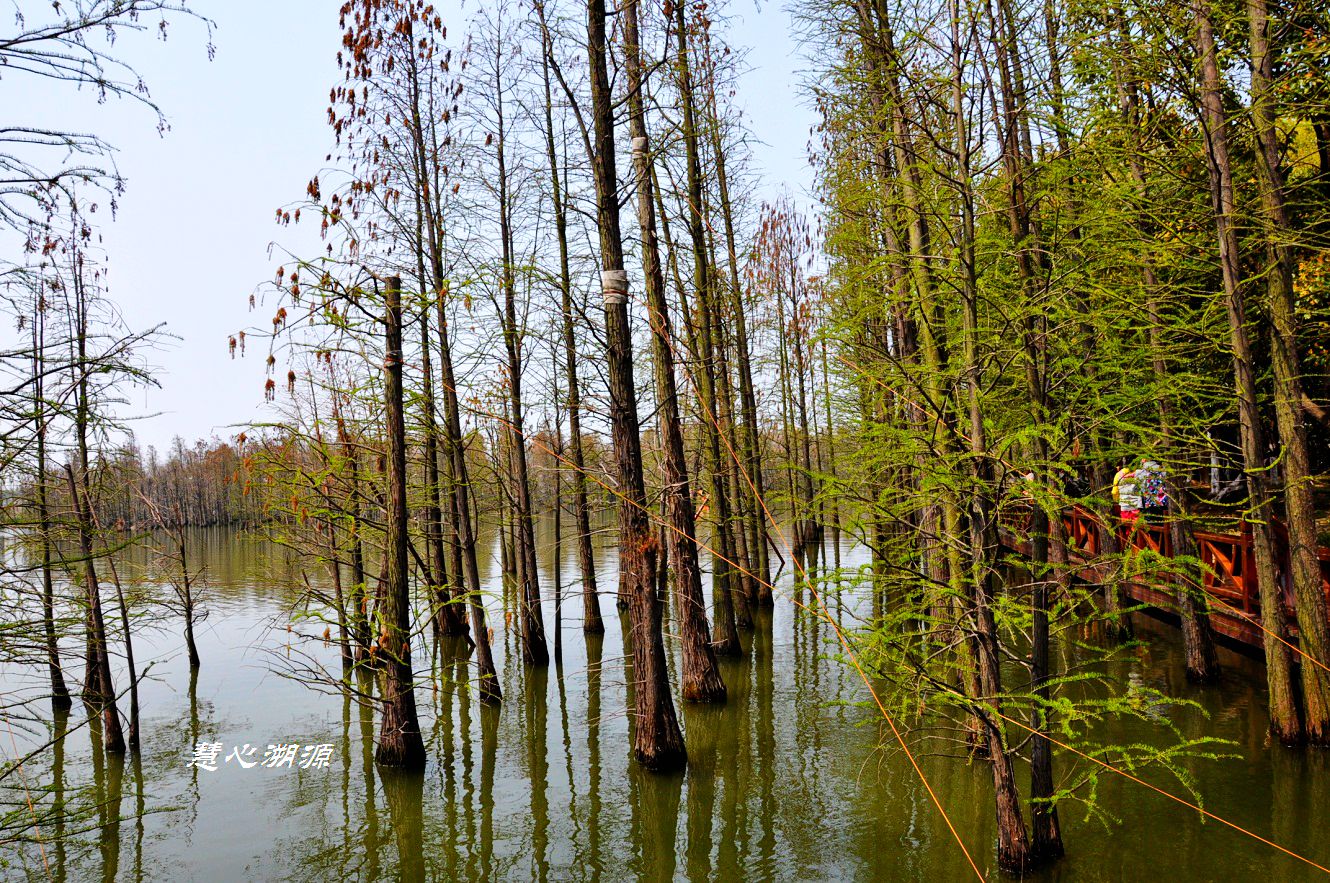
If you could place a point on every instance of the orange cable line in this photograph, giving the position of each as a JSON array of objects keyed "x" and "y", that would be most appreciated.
[
  {"x": 824, "y": 613},
  {"x": 854, "y": 659},
  {"x": 654, "y": 517}
]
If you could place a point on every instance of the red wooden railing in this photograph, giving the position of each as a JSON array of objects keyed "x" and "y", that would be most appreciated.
[{"x": 1229, "y": 571}]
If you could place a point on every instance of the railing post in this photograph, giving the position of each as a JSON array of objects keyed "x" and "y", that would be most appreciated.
[{"x": 1249, "y": 588}]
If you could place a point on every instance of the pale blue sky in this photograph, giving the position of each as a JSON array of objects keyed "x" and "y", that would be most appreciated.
[{"x": 193, "y": 234}]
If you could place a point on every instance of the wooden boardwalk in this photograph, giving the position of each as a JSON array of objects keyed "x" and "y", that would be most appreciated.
[{"x": 1229, "y": 573}]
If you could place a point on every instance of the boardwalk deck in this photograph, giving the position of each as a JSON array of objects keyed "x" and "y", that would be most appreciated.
[{"x": 1229, "y": 577}]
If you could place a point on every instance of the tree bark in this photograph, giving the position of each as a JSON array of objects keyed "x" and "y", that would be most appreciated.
[
  {"x": 752, "y": 490},
  {"x": 462, "y": 533},
  {"x": 60, "y": 698},
  {"x": 1285, "y": 722},
  {"x": 1299, "y": 481},
  {"x": 657, "y": 740},
  {"x": 98, "y": 688},
  {"x": 725, "y": 635},
  {"x": 534, "y": 648},
  {"x": 400, "y": 742},
  {"x": 701, "y": 680},
  {"x": 448, "y": 615},
  {"x": 592, "y": 622}
]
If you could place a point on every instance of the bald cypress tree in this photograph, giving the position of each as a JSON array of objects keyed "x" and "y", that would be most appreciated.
[{"x": 657, "y": 740}]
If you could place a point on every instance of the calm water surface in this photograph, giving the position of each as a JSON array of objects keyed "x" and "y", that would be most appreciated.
[{"x": 793, "y": 779}]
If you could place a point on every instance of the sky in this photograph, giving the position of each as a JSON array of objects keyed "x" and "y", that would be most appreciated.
[{"x": 194, "y": 233}]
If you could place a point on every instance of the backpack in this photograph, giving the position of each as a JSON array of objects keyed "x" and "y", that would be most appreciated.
[
  {"x": 1129, "y": 494},
  {"x": 1150, "y": 481}
]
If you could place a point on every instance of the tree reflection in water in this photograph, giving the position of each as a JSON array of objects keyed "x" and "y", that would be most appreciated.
[{"x": 792, "y": 778}]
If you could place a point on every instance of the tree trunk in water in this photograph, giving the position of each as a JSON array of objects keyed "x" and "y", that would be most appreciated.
[
  {"x": 130, "y": 669},
  {"x": 448, "y": 615},
  {"x": 1046, "y": 843},
  {"x": 60, "y": 698},
  {"x": 463, "y": 530},
  {"x": 400, "y": 742},
  {"x": 701, "y": 680},
  {"x": 981, "y": 506},
  {"x": 556, "y": 510},
  {"x": 339, "y": 598},
  {"x": 657, "y": 740},
  {"x": 1197, "y": 636},
  {"x": 1014, "y": 851},
  {"x": 592, "y": 623},
  {"x": 1285, "y": 722},
  {"x": 1198, "y": 642},
  {"x": 98, "y": 689},
  {"x": 831, "y": 460},
  {"x": 1046, "y": 833},
  {"x": 741, "y": 570},
  {"x": 807, "y": 491},
  {"x": 534, "y": 648},
  {"x": 752, "y": 487},
  {"x": 359, "y": 595},
  {"x": 725, "y": 636},
  {"x": 1299, "y": 482}
]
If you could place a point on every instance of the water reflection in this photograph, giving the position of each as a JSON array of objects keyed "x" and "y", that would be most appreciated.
[{"x": 792, "y": 778}]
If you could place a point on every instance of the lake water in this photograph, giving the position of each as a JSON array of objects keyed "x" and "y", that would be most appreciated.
[{"x": 796, "y": 777}]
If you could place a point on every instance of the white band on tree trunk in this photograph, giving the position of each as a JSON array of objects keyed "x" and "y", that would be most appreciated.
[
  {"x": 614, "y": 286},
  {"x": 640, "y": 144}
]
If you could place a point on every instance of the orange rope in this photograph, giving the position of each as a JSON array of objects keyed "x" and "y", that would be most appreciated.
[
  {"x": 824, "y": 613},
  {"x": 1173, "y": 797}
]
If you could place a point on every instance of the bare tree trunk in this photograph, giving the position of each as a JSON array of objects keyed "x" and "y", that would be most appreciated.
[
  {"x": 657, "y": 740},
  {"x": 1285, "y": 722},
  {"x": 400, "y": 742},
  {"x": 557, "y": 513},
  {"x": 448, "y": 615},
  {"x": 726, "y": 638},
  {"x": 831, "y": 458},
  {"x": 752, "y": 489},
  {"x": 809, "y": 528},
  {"x": 359, "y": 594},
  {"x": 592, "y": 623},
  {"x": 98, "y": 688},
  {"x": 130, "y": 669},
  {"x": 1299, "y": 482},
  {"x": 463, "y": 529},
  {"x": 741, "y": 570},
  {"x": 60, "y": 698},
  {"x": 339, "y": 598},
  {"x": 701, "y": 677},
  {"x": 534, "y": 648}
]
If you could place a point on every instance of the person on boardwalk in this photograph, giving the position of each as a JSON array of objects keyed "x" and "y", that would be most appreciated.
[
  {"x": 1128, "y": 470},
  {"x": 1126, "y": 488}
]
